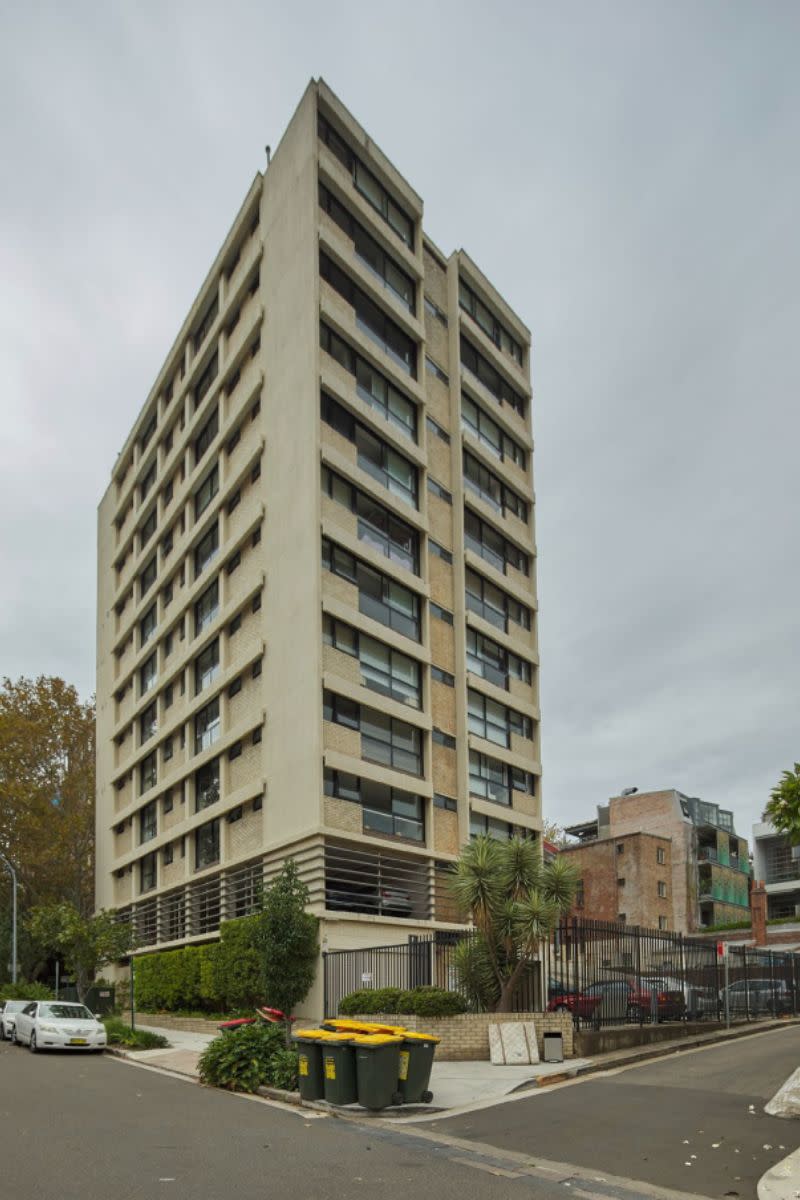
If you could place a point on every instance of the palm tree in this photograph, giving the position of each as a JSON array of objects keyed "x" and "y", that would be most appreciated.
[{"x": 515, "y": 902}]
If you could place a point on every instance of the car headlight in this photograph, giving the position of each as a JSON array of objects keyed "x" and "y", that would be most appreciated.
[{"x": 48, "y": 1029}]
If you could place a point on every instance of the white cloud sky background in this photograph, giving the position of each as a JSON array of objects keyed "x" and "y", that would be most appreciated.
[{"x": 626, "y": 173}]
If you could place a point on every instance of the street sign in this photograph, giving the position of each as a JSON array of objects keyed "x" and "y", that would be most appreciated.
[
  {"x": 366, "y": 977},
  {"x": 722, "y": 949}
]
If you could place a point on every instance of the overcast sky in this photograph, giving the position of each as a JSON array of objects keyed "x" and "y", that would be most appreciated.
[{"x": 628, "y": 174}]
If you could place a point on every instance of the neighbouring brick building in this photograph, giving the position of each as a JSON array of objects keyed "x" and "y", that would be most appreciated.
[{"x": 662, "y": 860}]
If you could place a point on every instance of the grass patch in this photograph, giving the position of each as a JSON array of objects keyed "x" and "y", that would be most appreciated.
[{"x": 120, "y": 1034}]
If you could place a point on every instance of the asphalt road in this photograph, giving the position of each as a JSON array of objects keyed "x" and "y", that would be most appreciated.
[
  {"x": 96, "y": 1128},
  {"x": 682, "y": 1122},
  {"x": 90, "y": 1128}
]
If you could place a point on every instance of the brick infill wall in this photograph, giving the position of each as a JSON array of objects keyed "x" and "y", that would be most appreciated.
[{"x": 466, "y": 1038}]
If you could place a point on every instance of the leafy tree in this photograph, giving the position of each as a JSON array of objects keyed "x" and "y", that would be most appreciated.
[
  {"x": 288, "y": 940},
  {"x": 86, "y": 944},
  {"x": 553, "y": 832},
  {"x": 515, "y": 902},
  {"x": 783, "y": 807},
  {"x": 47, "y": 789}
]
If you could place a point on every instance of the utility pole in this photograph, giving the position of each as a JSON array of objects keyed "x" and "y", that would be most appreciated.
[{"x": 13, "y": 875}]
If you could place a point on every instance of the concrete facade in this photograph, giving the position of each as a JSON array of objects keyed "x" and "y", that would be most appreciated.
[
  {"x": 705, "y": 873},
  {"x": 317, "y": 610}
]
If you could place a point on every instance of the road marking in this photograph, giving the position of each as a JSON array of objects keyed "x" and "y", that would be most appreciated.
[{"x": 482, "y": 1166}]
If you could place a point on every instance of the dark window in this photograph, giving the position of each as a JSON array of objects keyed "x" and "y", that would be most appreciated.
[
  {"x": 204, "y": 324},
  {"x": 495, "y": 722},
  {"x": 444, "y": 677},
  {"x": 147, "y": 577},
  {"x": 493, "y": 604},
  {"x": 383, "y": 669},
  {"x": 257, "y": 735},
  {"x": 381, "y": 264},
  {"x": 488, "y": 322},
  {"x": 365, "y": 182},
  {"x": 433, "y": 308},
  {"x": 206, "y": 608},
  {"x": 168, "y": 801},
  {"x": 371, "y": 319},
  {"x": 448, "y": 802},
  {"x": 490, "y": 434},
  {"x": 206, "y": 379},
  {"x": 379, "y": 597},
  {"x": 206, "y": 844},
  {"x": 148, "y": 772},
  {"x": 206, "y": 550},
  {"x": 485, "y": 540},
  {"x": 206, "y": 436},
  {"x": 167, "y": 854},
  {"x": 148, "y": 822},
  {"x": 441, "y": 614},
  {"x": 491, "y": 489},
  {"x": 493, "y": 662},
  {"x": 384, "y": 739},
  {"x": 491, "y": 378},
  {"x": 377, "y": 526},
  {"x": 235, "y": 751},
  {"x": 493, "y": 780},
  {"x": 206, "y": 726},
  {"x": 206, "y": 492},
  {"x": 434, "y": 369},
  {"x": 443, "y": 739},
  {"x": 147, "y": 480},
  {"x": 148, "y": 529},
  {"x": 374, "y": 456},
  {"x": 371, "y": 386},
  {"x": 482, "y": 826},
  {"x": 206, "y": 785},
  {"x": 439, "y": 551},
  {"x": 147, "y": 674},
  {"x": 437, "y": 430},
  {"x": 147, "y": 625},
  {"x": 436, "y": 489},
  {"x": 148, "y": 872},
  {"x": 145, "y": 437},
  {"x": 148, "y": 723},
  {"x": 235, "y": 687},
  {"x": 206, "y": 666},
  {"x": 387, "y": 811}
]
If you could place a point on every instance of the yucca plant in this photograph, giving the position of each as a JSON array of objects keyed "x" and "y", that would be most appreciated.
[{"x": 515, "y": 902}]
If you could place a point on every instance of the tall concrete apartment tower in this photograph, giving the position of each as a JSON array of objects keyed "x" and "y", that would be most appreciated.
[{"x": 316, "y": 582}]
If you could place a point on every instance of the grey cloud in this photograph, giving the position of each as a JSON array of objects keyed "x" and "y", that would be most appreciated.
[{"x": 626, "y": 173}]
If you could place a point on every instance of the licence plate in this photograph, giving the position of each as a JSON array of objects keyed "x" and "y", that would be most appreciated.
[{"x": 77, "y": 1041}]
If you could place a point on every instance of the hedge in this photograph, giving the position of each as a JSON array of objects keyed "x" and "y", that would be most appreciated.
[
  {"x": 224, "y": 976},
  {"x": 421, "y": 1001}
]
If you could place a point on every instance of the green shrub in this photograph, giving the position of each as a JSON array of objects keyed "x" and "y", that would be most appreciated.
[
  {"x": 25, "y": 991},
  {"x": 221, "y": 977},
  {"x": 420, "y": 1001},
  {"x": 241, "y": 1060},
  {"x": 283, "y": 1070},
  {"x": 120, "y": 1034}
]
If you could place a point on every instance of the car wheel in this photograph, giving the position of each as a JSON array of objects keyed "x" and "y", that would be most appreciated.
[{"x": 32, "y": 1042}]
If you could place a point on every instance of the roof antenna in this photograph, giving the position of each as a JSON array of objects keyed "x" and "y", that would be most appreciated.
[{"x": 269, "y": 153}]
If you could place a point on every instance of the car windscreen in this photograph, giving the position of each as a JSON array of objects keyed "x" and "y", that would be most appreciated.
[
  {"x": 65, "y": 1012},
  {"x": 13, "y": 1006}
]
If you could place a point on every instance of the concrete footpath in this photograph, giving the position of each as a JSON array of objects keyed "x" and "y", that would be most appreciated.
[
  {"x": 466, "y": 1085},
  {"x": 453, "y": 1084}
]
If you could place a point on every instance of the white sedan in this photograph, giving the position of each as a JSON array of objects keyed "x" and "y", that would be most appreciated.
[{"x": 57, "y": 1025}]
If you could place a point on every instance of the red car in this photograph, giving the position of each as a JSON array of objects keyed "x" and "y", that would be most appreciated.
[{"x": 578, "y": 1003}]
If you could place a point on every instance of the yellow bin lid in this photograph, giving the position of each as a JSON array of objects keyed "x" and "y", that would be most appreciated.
[
  {"x": 410, "y": 1036},
  {"x": 310, "y": 1034},
  {"x": 374, "y": 1040}
]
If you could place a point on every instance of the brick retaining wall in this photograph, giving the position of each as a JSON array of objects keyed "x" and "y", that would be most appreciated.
[
  {"x": 167, "y": 1021},
  {"x": 466, "y": 1037}
]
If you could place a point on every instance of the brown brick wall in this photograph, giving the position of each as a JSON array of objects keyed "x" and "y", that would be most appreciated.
[
  {"x": 444, "y": 770},
  {"x": 443, "y": 651},
  {"x": 601, "y": 866},
  {"x": 445, "y": 836},
  {"x": 440, "y": 574}
]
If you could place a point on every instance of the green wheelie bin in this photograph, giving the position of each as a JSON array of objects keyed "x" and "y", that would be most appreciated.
[
  {"x": 377, "y": 1069},
  {"x": 309, "y": 1064},
  {"x": 416, "y": 1063},
  {"x": 339, "y": 1068}
]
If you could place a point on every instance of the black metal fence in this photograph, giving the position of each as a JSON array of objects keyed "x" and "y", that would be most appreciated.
[{"x": 602, "y": 973}]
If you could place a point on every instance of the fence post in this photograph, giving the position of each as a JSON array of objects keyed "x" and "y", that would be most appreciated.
[
  {"x": 325, "y": 1012},
  {"x": 746, "y": 983},
  {"x": 772, "y": 983}
]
